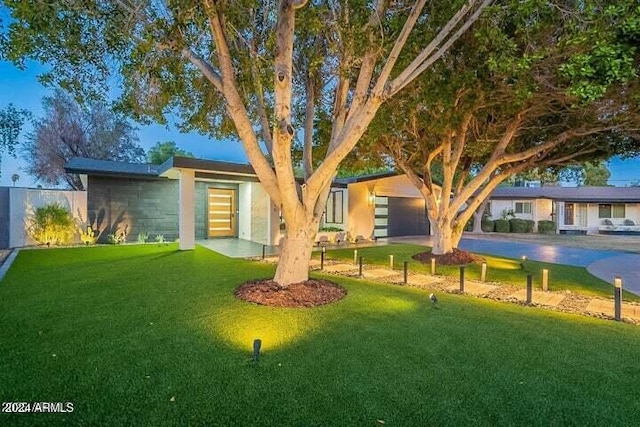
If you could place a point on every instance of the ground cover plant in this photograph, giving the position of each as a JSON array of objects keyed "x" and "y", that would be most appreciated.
[
  {"x": 148, "y": 335},
  {"x": 511, "y": 271}
]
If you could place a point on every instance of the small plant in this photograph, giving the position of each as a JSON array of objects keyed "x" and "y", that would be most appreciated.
[
  {"x": 52, "y": 225},
  {"x": 507, "y": 214},
  {"x": 87, "y": 235},
  {"x": 117, "y": 237},
  {"x": 160, "y": 238},
  {"x": 143, "y": 237}
]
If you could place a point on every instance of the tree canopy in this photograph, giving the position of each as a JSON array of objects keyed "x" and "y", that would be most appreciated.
[
  {"x": 535, "y": 85},
  {"x": 71, "y": 130},
  {"x": 11, "y": 123},
  {"x": 590, "y": 174},
  {"x": 163, "y": 151},
  {"x": 262, "y": 71}
]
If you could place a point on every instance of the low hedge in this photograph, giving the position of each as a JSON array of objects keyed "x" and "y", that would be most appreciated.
[
  {"x": 469, "y": 225},
  {"x": 546, "y": 227},
  {"x": 517, "y": 225},
  {"x": 501, "y": 226},
  {"x": 487, "y": 225},
  {"x": 530, "y": 225}
]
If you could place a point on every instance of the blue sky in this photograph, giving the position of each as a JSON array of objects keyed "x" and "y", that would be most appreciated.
[{"x": 21, "y": 88}]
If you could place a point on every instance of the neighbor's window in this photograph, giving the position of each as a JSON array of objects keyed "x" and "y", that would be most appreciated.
[
  {"x": 568, "y": 213},
  {"x": 333, "y": 213},
  {"x": 523, "y": 207},
  {"x": 616, "y": 210}
]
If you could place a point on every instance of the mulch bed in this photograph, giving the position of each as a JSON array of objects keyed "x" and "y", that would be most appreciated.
[
  {"x": 457, "y": 257},
  {"x": 311, "y": 293}
]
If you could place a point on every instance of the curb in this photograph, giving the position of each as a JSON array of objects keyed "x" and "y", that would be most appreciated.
[{"x": 7, "y": 263}]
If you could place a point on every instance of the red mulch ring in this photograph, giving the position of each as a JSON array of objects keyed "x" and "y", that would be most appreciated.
[
  {"x": 457, "y": 257},
  {"x": 311, "y": 293}
]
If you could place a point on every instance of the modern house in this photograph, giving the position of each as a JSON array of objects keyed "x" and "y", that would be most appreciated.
[
  {"x": 194, "y": 199},
  {"x": 576, "y": 210}
]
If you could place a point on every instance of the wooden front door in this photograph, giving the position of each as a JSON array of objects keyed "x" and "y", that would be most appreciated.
[{"x": 222, "y": 212}]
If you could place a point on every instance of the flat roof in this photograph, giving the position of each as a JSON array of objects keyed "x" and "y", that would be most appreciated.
[
  {"x": 213, "y": 169},
  {"x": 570, "y": 194},
  {"x": 83, "y": 165}
]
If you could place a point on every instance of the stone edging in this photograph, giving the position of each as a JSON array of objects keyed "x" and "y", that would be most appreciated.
[{"x": 7, "y": 263}]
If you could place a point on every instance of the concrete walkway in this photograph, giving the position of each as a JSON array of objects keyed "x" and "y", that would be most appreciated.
[{"x": 598, "y": 307}]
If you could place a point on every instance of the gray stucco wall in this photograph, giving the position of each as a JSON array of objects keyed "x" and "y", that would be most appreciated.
[
  {"x": 4, "y": 217},
  {"x": 132, "y": 205},
  {"x": 137, "y": 205}
]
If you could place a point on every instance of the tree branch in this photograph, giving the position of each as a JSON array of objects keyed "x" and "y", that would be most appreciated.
[
  {"x": 383, "y": 78},
  {"x": 427, "y": 56}
]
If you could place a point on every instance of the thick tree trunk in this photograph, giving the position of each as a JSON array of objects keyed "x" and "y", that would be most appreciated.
[
  {"x": 295, "y": 253},
  {"x": 446, "y": 237}
]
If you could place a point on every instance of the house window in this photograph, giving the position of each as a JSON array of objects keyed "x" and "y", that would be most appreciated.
[
  {"x": 523, "y": 208},
  {"x": 333, "y": 212},
  {"x": 616, "y": 210},
  {"x": 568, "y": 213}
]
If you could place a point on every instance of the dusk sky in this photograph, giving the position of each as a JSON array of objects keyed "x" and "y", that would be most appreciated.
[{"x": 22, "y": 89}]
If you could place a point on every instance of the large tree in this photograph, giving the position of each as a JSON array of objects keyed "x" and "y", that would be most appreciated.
[
  {"x": 537, "y": 85},
  {"x": 228, "y": 68},
  {"x": 163, "y": 151},
  {"x": 70, "y": 130},
  {"x": 590, "y": 174},
  {"x": 11, "y": 123}
]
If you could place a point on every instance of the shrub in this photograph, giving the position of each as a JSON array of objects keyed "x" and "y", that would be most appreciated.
[
  {"x": 507, "y": 214},
  {"x": 530, "y": 225},
  {"x": 469, "y": 225},
  {"x": 117, "y": 237},
  {"x": 629, "y": 222},
  {"x": 160, "y": 238},
  {"x": 501, "y": 225},
  {"x": 330, "y": 228},
  {"x": 52, "y": 225},
  {"x": 87, "y": 236},
  {"x": 487, "y": 225},
  {"x": 517, "y": 225},
  {"x": 546, "y": 227},
  {"x": 143, "y": 237}
]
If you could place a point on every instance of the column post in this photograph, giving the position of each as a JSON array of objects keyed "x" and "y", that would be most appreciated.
[{"x": 186, "y": 209}]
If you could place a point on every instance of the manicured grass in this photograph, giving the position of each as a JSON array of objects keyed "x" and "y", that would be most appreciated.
[
  {"x": 505, "y": 270},
  {"x": 148, "y": 335}
]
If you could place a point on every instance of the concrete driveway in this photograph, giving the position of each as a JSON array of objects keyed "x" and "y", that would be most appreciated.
[{"x": 604, "y": 264}]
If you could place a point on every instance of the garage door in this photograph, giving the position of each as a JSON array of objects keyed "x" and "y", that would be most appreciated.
[{"x": 407, "y": 217}]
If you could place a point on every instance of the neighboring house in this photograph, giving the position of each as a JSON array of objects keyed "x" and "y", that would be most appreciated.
[
  {"x": 17, "y": 206},
  {"x": 576, "y": 210},
  {"x": 193, "y": 199}
]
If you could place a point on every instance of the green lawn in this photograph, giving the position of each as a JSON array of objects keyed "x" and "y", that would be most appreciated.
[
  {"x": 513, "y": 271},
  {"x": 148, "y": 335}
]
